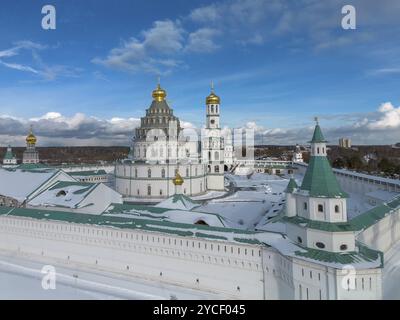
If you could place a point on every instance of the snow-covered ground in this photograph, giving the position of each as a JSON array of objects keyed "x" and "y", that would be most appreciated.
[
  {"x": 256, "y": 196},
  {"x": 21, "y": 278}
]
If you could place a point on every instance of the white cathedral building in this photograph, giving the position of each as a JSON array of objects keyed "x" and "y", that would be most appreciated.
[{"x": 162, "y": 148}]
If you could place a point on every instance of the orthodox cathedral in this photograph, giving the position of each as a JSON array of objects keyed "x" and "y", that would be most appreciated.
[
  {"x": 162, "y": 149},
  {"x": 30, "y": 155}
]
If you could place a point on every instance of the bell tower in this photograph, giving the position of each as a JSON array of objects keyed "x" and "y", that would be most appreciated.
[{"x": 213, "y": 143}]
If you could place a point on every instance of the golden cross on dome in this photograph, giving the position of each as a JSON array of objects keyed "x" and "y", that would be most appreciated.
[
  {"x": 158, "y": 81},
  {"x": 212, "y": 86}
]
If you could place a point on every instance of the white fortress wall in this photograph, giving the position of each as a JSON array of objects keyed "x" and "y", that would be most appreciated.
[
  {"x": 232, "y": 269},
  {"x": 384, "y": 233}
]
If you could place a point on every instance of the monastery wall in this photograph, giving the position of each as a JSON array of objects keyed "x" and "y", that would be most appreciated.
[
  {"x": 231, "y": 269},
  {"x": 383, "y": 234}
]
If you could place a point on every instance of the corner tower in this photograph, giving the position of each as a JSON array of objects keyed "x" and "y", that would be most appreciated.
[{"x": 316, "y": 211}]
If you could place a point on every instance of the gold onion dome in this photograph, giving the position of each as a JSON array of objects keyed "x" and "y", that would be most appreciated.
[
  {"x": 159, "y": 94},
  {"x": 31, "y": 139},
  {"x": 212, "y": 98},
  {"x": 178, "y": 180}
]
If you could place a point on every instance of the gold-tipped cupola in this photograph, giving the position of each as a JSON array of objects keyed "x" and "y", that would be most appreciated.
[
  {"x": 212, "y": 98},
  {"x": 31, "y": 138},
  {"x": 159, "y": 94},
  {"x": 178, "y": 180}
]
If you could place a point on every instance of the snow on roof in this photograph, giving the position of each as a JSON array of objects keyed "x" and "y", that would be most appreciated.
[
  {"x": 164, "y": 214},
  {"x": 64, "y": 194},
  {"x": 100, "y": 172},
  {"x": 382, "y": 195},
  {"x": 19, "y": 184},
  {"x": 178, "y": 201}
]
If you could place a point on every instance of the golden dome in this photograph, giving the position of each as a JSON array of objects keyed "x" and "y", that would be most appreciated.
[
  {"x": 178, "y": 180},
  {"x": 159, "y": 94},
  {"x": 31, "y": 139},
  {"x": 212, "y": 98}
]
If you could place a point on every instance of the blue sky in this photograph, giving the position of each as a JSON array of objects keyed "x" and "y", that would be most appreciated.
[{"x": 275, "y": 63}]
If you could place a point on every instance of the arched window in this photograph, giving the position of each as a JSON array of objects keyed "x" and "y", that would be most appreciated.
[
  {"x": 149, "y": 173},
  {"x": 320, "y": 208},
  {"x": 216, "y": 156},
  {"x": 149, "y": 190},
  {"x": 195, "y": 172},
  {"x": 343, "y": 247},
  {"x": 136, "y": 173},
  {"x": 212, "y": 108},
  {"x": 216, "y": 169},
  {"x": 337, "y": 209},
  {"x": 317, "y": 150},
  {"x": 163, "y": 173},
  {"x": 305, "y": 205},
  {"x": 187, "y": 172}
]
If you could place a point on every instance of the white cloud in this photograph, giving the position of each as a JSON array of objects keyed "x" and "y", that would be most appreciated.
[
  {"x": 154, "y": 53},
  {"x": 39, "y": 68},
  {"x": 389, "y": 118},
  {"x": 202, "y": 40},
  {"x": 19, "y": 67}
]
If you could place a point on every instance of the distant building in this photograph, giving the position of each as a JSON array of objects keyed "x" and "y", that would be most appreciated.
[
  {"x": 345, "y": 143},
  {"x": 9, "y": 157},
  {"x": 30, "y": 155},
  {"x": 90, "y": 176},
  {"x": 297, "y": 155}
]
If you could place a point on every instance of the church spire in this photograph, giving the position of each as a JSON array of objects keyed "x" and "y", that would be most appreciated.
[{"x": 319, "y": 178}]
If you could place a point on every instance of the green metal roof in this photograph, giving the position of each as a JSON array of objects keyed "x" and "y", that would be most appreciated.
[
  {"x": 321, "y": 225},
  {"x": 318, "y": 137},
  {"x": 32, "y": 166},
  {"x": 320, "y": 180},
  {"x": 372, "y": 216},
  {"x": 88, "y": 173},
  {"x": 182, "y": 229},
  {"x": 9, "y": 155},
  {"x": 364, "y": 254},
  {"x": 291, "y": 186}
]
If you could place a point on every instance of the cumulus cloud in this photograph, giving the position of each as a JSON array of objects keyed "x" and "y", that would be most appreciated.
[
  {"x": 203, "y": 40},
  {"x": 379, "y": 127},
  {"x": 153, "y": 53},
  {"x": 54, "y": 128}
]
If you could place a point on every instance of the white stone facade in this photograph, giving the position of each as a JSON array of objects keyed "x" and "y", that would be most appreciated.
[{"x": 232, "y": 270}]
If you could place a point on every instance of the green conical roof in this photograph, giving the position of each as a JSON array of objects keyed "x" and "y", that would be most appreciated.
[
  {"x": 318, "y": 136},
  {"x": 9, "y": 155},
  {"x": 291, "y": 186},
  {"x": 319, "y": 179}
]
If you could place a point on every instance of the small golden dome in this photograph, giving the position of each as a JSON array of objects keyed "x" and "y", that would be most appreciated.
[
  {"x": 31, "y": 139},
  {"x": 159, "y": 94},
  {"x": 212, "y": 98},
  {"x": 178, "y": 180}
]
